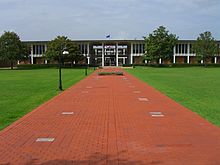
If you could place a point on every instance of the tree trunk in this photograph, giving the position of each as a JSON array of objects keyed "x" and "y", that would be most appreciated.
[
  {"x": 204, "y": 61},
  {"x": 12, "y": 65}
]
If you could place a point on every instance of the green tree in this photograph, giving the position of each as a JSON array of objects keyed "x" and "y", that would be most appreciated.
[
  {"x": 58, "y": 45},
  {"x": 74, "y": 53},
  {"x": 205, "y": 46},
  {"x": 160, "y": 44},
  {"x": 12, "y": 49}
]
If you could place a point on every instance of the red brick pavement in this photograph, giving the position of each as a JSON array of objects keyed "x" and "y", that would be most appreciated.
[{"x": 111, "y": 125}]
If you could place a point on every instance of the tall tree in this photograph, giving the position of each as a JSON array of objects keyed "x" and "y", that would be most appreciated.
[
  {"x": 56, "y": 47},
  {"x": 205, "y": 46},
  {"x": 160, "y": 44},
  {"x": 11, "y": 48}
]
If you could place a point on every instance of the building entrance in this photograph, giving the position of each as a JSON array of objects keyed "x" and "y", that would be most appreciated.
[{"x": 110, "y": 61}]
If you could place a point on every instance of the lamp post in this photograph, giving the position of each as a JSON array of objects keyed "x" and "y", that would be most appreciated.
[
  {"x": 86, "y": 73},
  {"x": 63, "y": 52}
]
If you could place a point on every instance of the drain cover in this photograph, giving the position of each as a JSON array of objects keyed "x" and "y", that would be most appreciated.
[
  {"x": 142, "y": 99},
  {"x": 88, "y": 87},
  {"x": 45, "y": 139},
  {"x": 67, "y": 113},
  {"x": 136, "y": 92}
]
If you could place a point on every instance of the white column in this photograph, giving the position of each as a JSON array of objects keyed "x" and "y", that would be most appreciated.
[
  {"x": 160, "y": 61},
  {"x": 32, "y": 56},
  {"x": 202, "y": 61},
  {"x": 145, "y": 61},
  {"x": 116, "y": 49},
  {"x": 18, "y": 62},
  {"x": 188, "y": 59},
  {"x": 215, "y": 60},
  {"x": 45, "y": 51},
  {"x": 88, "y": 58},
  {"x": 174, "y": 59},
  {"x": 103, "y": 55},
  {"x": 123, "y": 60},
  {"x": 88, "y": 49},
  {"x": 188, "y": 49},
  {"x": 174, "y": 54},
  {"x": 132, "y": 53}
]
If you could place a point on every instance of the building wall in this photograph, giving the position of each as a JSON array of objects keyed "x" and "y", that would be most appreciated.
[{"x": 183, "y": 52}]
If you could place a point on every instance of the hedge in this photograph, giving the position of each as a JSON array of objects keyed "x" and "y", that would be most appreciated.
[
  {"x": 43, "y": 66},
  {"x": 173, "y": 65}
]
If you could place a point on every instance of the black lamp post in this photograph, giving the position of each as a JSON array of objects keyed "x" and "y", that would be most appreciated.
[
  {"x": 86, "y": 73},
  {"x": 62, "y": 52}
]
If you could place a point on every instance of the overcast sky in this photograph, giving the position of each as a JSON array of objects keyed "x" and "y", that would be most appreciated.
[{"x": 94, "y": 19}]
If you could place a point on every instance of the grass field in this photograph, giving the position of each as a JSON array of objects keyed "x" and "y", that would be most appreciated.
[
  {"x": 196, "y": 88},
  {"x": 23, "y": 90}
]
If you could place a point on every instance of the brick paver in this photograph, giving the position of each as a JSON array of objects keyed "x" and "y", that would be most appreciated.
[{"x": 111, "y": 123}]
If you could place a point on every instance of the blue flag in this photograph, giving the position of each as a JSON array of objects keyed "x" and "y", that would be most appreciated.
[{"x": 108, "y": 36}]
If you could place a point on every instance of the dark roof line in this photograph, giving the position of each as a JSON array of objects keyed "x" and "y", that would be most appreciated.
[{"x": 110, "y": 40}]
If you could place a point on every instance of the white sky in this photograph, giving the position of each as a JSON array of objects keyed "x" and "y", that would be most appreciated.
[{"x": 94, "y": 19}]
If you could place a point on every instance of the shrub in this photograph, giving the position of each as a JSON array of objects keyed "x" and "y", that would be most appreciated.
[{"x": 110, "y": 73}]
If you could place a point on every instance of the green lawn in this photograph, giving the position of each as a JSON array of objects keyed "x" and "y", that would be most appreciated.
[
  {"x": 23, "y": 90},
  {"x": 196, "y": 88}
]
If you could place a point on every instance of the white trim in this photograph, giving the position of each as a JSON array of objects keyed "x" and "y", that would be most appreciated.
[{"x": 188, "y": 59}]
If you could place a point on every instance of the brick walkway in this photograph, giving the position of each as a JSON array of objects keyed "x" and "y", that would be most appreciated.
[{"x": 112, "y": 123}]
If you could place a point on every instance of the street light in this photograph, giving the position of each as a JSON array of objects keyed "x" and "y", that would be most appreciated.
[
  {"x": 86, "y": 65},
  {"x": 64, "y": 52}
]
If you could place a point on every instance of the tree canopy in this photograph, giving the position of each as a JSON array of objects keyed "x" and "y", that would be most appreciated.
[
  {"x": 159, "y": 44},
  {"x": 205, "y": 46},
  {"x": 58, "y": 45},
  {"x": 11, "y": 48}
]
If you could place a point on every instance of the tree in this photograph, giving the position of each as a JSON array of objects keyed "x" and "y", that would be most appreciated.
[
  {"x": 160, "y": 44},
  {"x": 205, "y": 46},
  {"x": 56, "y": 46},
  {"x": 74, "y": 53},
  {"x": 11, "y": 48}
]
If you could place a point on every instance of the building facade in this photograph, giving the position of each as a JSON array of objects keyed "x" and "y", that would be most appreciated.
[{"x": 118, "y": 52}]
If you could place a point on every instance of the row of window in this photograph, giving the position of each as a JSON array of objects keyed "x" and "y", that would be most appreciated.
[
  {"x": 183, "y": 49},
  {"x": 138, "y": 48},
  {"x": 83, "y": 48},
  {"x": 39, "y": 49}
]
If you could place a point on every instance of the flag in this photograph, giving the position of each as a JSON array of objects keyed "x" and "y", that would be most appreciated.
[{"x": 108, "y": 36}]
